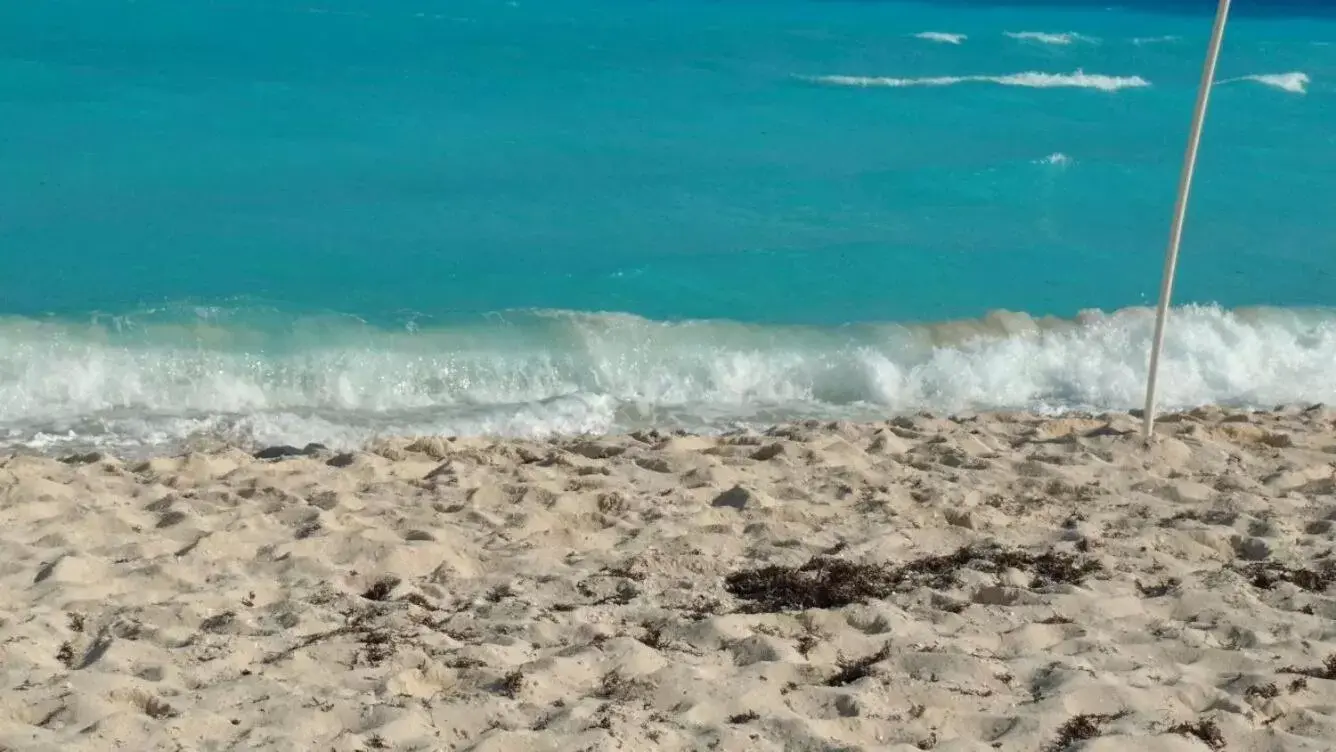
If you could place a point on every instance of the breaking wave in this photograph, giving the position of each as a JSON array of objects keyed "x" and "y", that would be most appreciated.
[
  {"x": 1295, "y": 82},
  {"x": 1043, "y": 37},
  {"x": 139, "y": 386},
  {"x": 1029, "y": 79},
  {"x": 941, "y": 37}
]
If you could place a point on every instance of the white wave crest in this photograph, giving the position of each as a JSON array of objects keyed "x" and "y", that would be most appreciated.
[
  {"x": 1295, "y": 82},
  {"x": 1056, "y": 158},
  {"x": 1043, "y": 37},
  {"x": 1142, "y": 41},
  {"x": 65, "y": 387},
  {"x": 1029, "y": 79},
  {"x": 941, "y": 37}
]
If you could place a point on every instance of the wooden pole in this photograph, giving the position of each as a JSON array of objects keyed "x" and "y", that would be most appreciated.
[{"x": 1180, "y": 212}]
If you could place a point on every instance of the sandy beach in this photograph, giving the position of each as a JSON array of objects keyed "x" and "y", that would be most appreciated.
[{"x": 981, "y": 582}]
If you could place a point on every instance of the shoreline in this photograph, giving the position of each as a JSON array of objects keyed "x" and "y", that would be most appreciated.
[
  {"x": 990, "y": 581},
  {"x": 149, "y": 390},
  {"x": 437, "y": 446}
]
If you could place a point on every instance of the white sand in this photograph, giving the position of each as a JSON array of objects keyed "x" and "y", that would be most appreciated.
[{"x": 571, "y": 596}]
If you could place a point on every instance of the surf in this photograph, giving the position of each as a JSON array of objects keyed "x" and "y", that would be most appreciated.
[
  {"x": 1042, "y": 37},
  {"x": 138, "y": 387},
  {"x": 1027, "y": 79},
  {"x": 940, "y": 37},
  {"x": 1295, "y": 82}
]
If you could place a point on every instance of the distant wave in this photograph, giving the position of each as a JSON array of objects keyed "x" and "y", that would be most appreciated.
[
  {"x": 1030, "y": 79},
  {"x": 1295, "y": 82},
  {"x": 1056, "y": 158},
  {"x": 139, "y": 386},
  {"x": 1043, "y": 37},
  {"x": 1139, "y": 41},
  {"x": 941, "y": 36}
]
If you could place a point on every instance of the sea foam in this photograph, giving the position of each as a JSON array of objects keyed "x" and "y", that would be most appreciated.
[
  {"x": 1142, "y": 41},
  {"x": 1295, "y": 82},
  {"x": 1043, "y": 37},
  {"x": 140, "y": 389},
  {"x": 1029, "y": 79},
  {"x": 940, "y": 36}
]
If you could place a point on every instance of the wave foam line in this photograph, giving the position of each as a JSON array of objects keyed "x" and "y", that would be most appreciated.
[
  {"x": 1295, "y": 82},
  {"x": 1142, "y": 41},
  {"x": 1029, "y": 79},
  {"x": 1043, "y": 37},
  {"x": 1056, "y": 158},
  {"x": 140, "y": 388},
  {"x": 941, "y": 37}
]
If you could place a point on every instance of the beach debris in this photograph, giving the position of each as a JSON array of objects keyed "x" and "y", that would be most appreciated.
[
  {"x": 1326, "y": 671},
  {"x": 827, "y": 582},
  {"x": 1081, "y": 728},
  {"x": 853, "y": 670},
  {"x": 285, "y": 451},
  {"x": 1265, "y": 575},
  {"x": 1205, "y": 730}
]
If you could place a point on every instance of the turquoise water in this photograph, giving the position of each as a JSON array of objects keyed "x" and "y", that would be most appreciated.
[{"x": 317, "y": 221}]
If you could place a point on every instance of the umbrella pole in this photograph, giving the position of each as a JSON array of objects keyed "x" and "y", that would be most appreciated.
[{"x": 1180, "y": 212}]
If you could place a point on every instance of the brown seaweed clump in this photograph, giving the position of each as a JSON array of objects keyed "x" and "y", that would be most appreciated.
[{"x": 828, "y": 582}]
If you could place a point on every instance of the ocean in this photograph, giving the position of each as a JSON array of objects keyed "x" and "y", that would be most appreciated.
[{"x": 282, "y": 221}]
